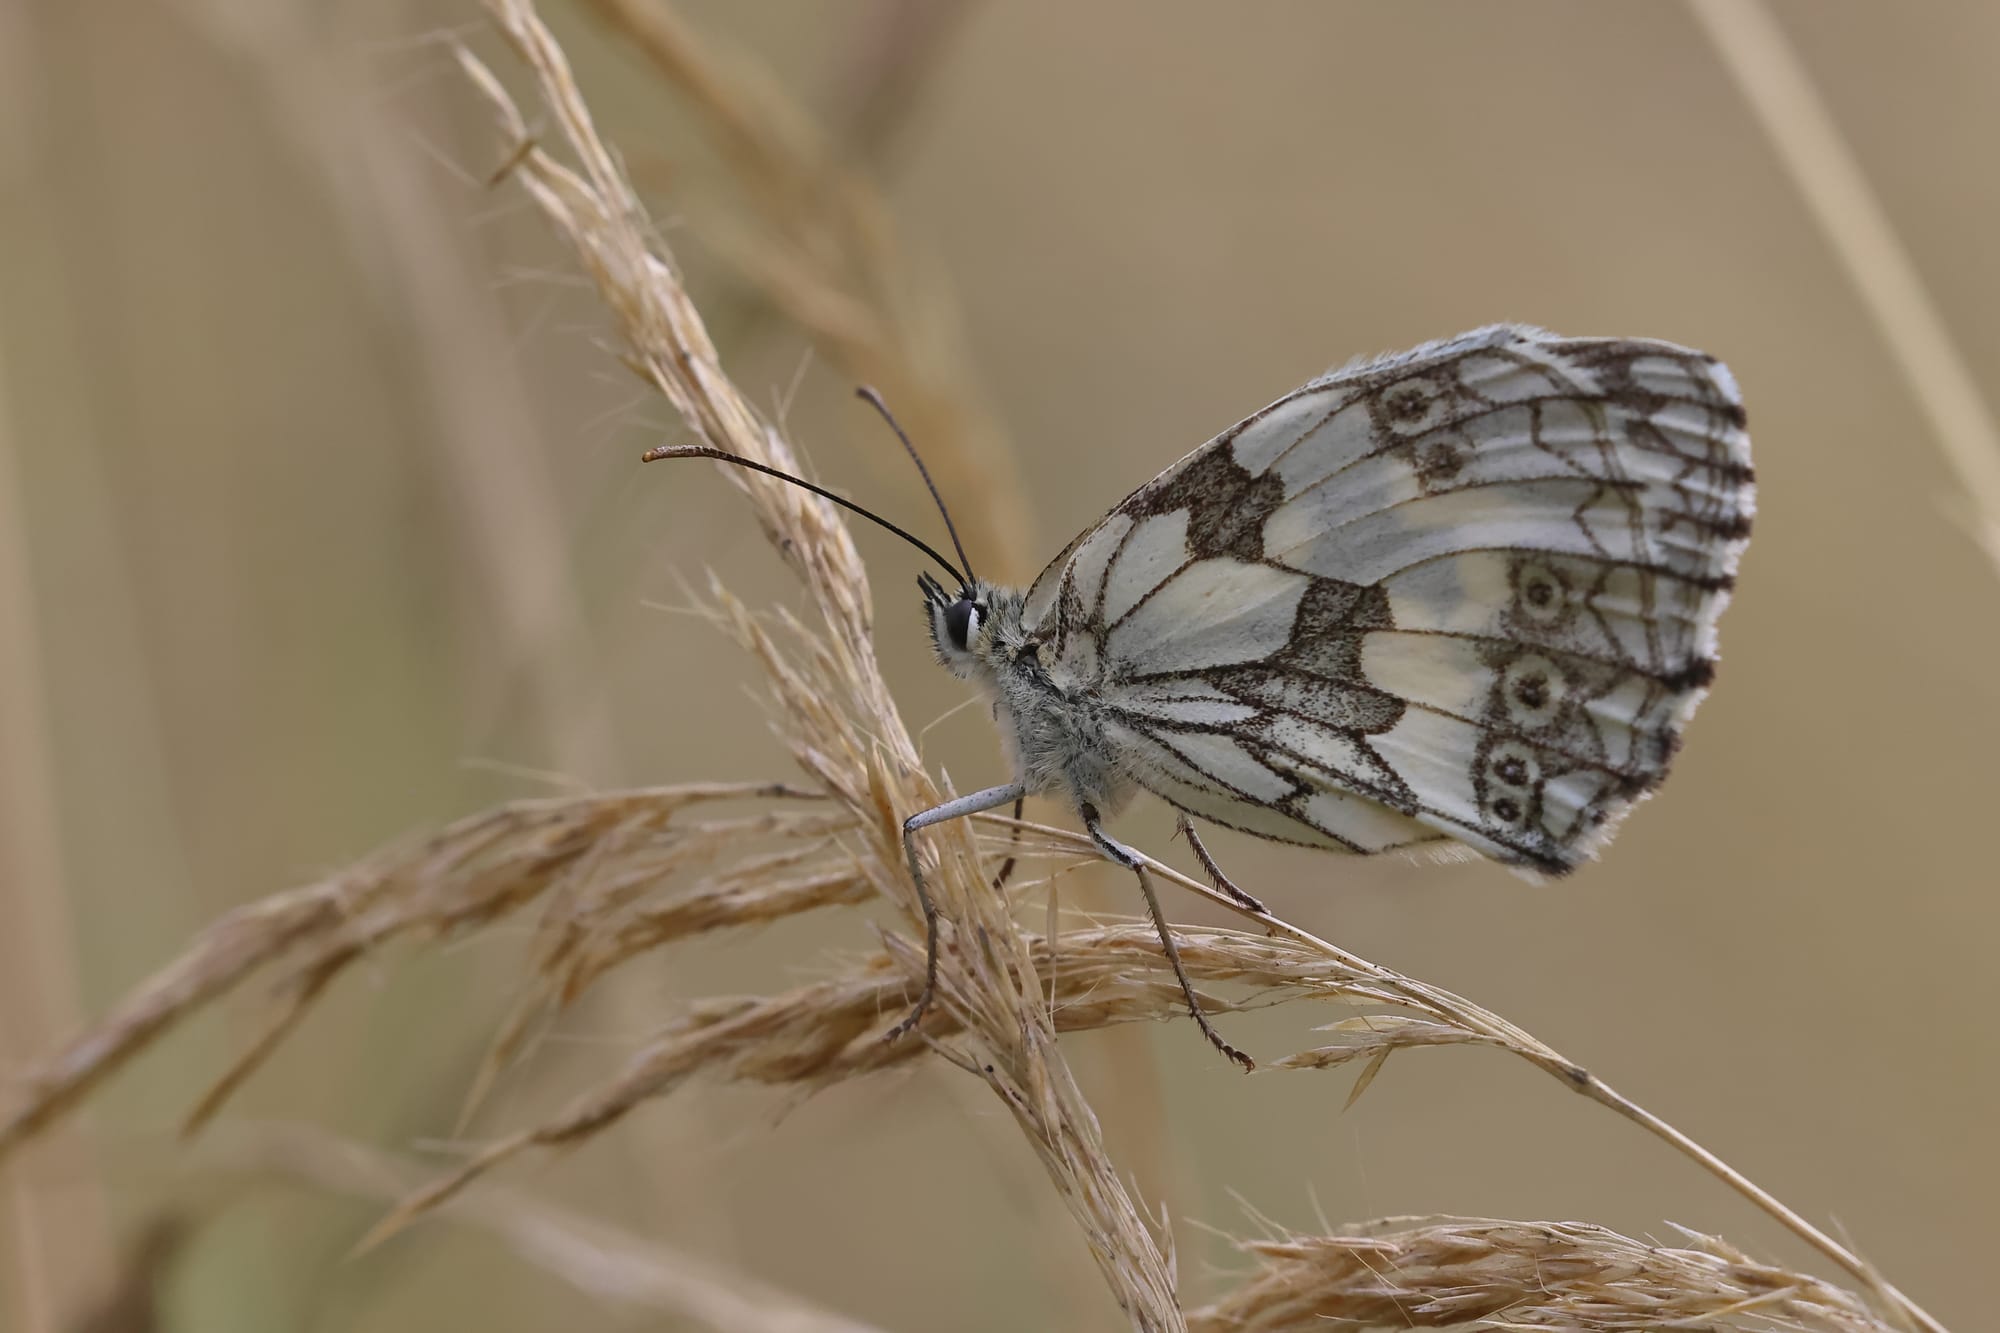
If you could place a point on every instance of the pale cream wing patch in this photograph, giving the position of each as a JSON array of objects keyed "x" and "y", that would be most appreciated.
[{"x": 1466, "y": 591}]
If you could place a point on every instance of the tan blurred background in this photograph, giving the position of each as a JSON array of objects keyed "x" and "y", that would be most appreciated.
[{"x": 322, "y": 521}]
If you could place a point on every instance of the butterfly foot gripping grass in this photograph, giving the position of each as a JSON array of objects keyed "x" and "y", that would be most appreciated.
[{"x": 1465, "y": 592}]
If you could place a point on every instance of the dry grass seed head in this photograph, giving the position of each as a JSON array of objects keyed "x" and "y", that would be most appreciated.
[{"x": 1534, "y": 1277}]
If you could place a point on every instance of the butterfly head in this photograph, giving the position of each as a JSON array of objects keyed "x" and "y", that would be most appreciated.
[{"x": 961, "y": 623}]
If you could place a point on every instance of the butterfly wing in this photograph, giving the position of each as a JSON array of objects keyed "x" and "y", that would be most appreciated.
[{"x": 1467, "y": 591}]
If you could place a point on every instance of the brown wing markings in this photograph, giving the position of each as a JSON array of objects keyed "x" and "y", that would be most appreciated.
[
  {"x": 1405, "y": 802},
  {"x": 1067, "y": 584},
  {"x": 1160, "y": 783},
  {"x": 1289, "y": 806},
  {"x": 1660, "y": 440},
  {"x": 1373, "y": 379},
  {"x": 1675, "y": 679},
  {"x": 1226, "y": 504}
]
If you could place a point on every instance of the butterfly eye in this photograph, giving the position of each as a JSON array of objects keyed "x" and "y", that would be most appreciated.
[{"x": 961, "y": 622}]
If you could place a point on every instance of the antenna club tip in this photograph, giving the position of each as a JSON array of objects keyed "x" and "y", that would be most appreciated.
[
  {"x": 654, "y": 454},
  {"x": 869, "y": 393}
]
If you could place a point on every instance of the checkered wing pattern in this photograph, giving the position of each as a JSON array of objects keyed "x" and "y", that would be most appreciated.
[{"x": 1468, "y": 591}]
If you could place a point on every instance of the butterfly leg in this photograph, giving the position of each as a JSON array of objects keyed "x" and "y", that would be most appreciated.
[
  {"x": 1214, "y": 871},
  {"x": 1132, "y": 861},
  {"x": 1013, "y": 837},
  {"x": 979, "y": 801}
]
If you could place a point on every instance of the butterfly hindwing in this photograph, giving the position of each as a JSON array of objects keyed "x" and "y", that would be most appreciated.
[{"x": 1469, "y": 591}]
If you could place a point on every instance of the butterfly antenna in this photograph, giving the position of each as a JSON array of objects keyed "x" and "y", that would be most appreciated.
[
  {"x": 722, "y": 456},
  {"x": 875, "y": 401}
]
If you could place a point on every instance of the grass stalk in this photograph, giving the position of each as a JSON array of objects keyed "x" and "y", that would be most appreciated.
[{"x": 1788, "y": 107}]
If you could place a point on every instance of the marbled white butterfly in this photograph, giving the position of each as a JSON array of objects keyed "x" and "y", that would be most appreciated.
[{"x": 1463, "y": 592}]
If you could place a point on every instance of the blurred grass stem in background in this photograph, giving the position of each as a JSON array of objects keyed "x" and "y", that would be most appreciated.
[{"x": 1852, "y": 219}]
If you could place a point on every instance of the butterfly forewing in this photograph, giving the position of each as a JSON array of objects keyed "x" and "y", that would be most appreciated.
[{"x": 1468, "y": 591}]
